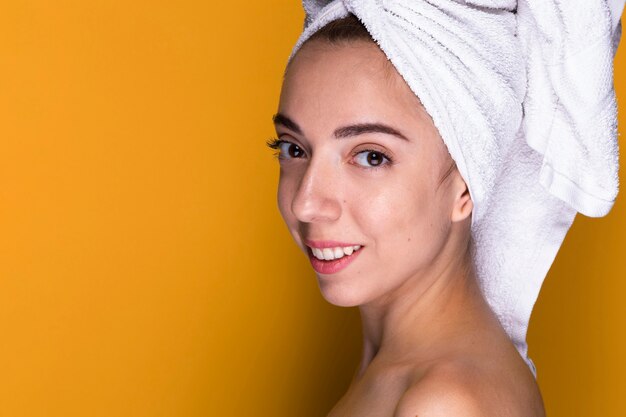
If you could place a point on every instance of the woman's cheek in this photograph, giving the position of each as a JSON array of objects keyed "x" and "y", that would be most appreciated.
[{"x": 286, "y": 191}]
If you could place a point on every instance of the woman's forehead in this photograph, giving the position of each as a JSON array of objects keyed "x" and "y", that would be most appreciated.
[
  {"x": 351, "y": 81},
  {"x": 350, "y": 61},
  {"x": 356, "y": 71}
]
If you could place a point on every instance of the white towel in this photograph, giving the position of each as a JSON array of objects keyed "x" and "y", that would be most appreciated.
[{"x": 522, "y": 95}]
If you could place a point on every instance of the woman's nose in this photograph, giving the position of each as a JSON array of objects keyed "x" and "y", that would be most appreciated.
[{"x": 316, "y": 199}]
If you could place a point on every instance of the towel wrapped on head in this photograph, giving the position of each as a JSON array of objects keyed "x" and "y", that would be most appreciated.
[{"x": 522, "y": 94}]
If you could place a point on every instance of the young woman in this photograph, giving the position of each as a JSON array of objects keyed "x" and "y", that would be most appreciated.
[{"x": 370, "y": 192}]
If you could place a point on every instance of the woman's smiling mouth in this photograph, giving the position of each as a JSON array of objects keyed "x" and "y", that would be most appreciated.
[
  {"x": 330, "y": 257},
  {"x": 329, "y": 254}
]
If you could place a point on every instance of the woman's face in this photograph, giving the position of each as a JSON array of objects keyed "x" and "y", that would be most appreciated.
[{"x": 361, "y": 164}]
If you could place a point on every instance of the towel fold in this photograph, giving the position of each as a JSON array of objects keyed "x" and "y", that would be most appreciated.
[{"x": 522, "y": 95}]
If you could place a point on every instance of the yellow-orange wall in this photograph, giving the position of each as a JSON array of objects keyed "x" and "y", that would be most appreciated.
[{"x": 144, "y": 267}]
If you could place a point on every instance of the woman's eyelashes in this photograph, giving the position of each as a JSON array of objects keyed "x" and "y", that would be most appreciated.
[
  {"x": 286, "y": 149},
  {"x": 364, "y": 158},
  {"x": 372, "y": 159}
]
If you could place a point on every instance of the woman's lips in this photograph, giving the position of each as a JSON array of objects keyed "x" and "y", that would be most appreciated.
[{"x": 337, "y": 255}]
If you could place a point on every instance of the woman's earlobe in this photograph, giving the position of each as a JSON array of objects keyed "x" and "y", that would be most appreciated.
[{"x": 463, "y": 207}]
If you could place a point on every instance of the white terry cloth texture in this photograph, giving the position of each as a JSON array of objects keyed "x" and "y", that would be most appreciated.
[{"x": 522, "y": 94}]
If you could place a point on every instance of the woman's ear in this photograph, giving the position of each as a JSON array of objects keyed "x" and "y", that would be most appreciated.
[{"x": 462, "y": 206}]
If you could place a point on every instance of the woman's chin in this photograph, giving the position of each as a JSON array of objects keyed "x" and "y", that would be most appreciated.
[{"x": 339, "y": 295}]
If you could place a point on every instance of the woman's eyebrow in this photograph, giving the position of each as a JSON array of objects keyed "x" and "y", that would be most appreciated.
[
  {"x": 343, "y": 132},
  {"x": 281, "y": 119},
  {"x": 362, "y": 128}
]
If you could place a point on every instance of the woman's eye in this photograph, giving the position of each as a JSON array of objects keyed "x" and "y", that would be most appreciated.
[
  {"x": 290, "y": 150},
  {"x": 371, "y": 158}
]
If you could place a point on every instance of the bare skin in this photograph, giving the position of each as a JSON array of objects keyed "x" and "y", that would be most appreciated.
[{"x": 432, "y": 346}]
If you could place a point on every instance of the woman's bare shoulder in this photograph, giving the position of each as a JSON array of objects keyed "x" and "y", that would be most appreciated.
[
  {"x": 463, "y": 388},
  {"x": 445, "y": 390}
]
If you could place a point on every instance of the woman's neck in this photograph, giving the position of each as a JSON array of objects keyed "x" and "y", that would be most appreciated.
[{"x": 422, "y": 316}]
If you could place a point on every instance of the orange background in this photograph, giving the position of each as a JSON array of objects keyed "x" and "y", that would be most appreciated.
[{"x": 144, "y": 267}]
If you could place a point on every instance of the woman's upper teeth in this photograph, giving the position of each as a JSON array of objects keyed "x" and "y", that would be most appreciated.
[{"x": 329, "y": 254}]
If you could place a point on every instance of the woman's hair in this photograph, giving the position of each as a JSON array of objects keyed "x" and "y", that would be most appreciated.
[{"x": 348, "y": 28}]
